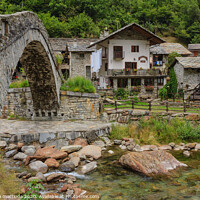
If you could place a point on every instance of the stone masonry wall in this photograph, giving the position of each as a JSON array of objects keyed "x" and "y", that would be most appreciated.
[{"x": 74, "y": 105}]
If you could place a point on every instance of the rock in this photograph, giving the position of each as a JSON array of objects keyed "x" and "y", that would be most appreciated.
[
  {"x": 20, "y": 145},
  {"x": 20, "y": 156},
  {"x": 71, "y": 148},
  {"x": 190, "y": 145},
  {"x": 178, "y": 148},
  {"x": 3, "y": 144},
  {"x": 41, "y": 176},
  {"x": 51, "y": 162},
  {"x": 172, "y": 144},
  {"x": 137, "y": 148},
  {"x": 107, "y": 141},
  {"x": 110, "y": 152},
  {"x": 77, "y": 191},
  {"x": 117, "y": 142},
  {"x": 89, "y": 167},
  {"x": 99, "y": 143},
  {"x": 151, "y": 163},
  {"x": 90, "y": 151},
  {"x": 11, "y": 147},
  {"x": 39, "y": 166},
  {"x": 34, "y": 178},
  {"x": 130, "y": 147},
  {"x": 55, "y": 177},
  {"x": 81, "y": 141},
  {"x": 165, "y": 147},
  {"x": 29, "y": 150},
  {"x": 123, "y": 147},
  {"x": 186, "y": 153},
  {"x": 50, "y": 152},
  {"x": 197, "y": 146},
  {"x": 149, "y": 148},
  {"x": 20, "y": 175},
  {"x": 75, "y": 161},
  {"x": 193, "y": 117},
  {"x": 68, "y": 187},
  {"x": 67, "y": 166},
  {"x": 11, "y": 153}
]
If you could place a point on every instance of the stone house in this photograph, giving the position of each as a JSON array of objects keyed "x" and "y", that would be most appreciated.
[
  {"x": 187, "y": 71},
  {"x": 126, "y": 60},
  {"x": 195, "y": 49},
  {"x": 76, "y": 55},
  {"x": 160, "y": 52}
]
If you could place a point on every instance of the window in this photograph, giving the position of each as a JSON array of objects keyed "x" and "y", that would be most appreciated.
[
  {"x": 134, "y": 48},
  {"x": 88, "y": 72},
  {"x": 160, "y": 81},
  {"x": 5, "y": 28},
  {"x": 122, "y": 82},
  {"x": 82, "y": 55},
  {"x": 135, "y": 81},
  {"x": 195, "y": 53},
  {"x": 157, "y": 60},
  {"x": 104, "y": 52},
  {"x": 118, "y": 52},
  {"x": 106, "y": 67},
  {"x": 111, "y": 83},
  {"x": 149, "y": 81},
  {"x": 130, "y": 68}
]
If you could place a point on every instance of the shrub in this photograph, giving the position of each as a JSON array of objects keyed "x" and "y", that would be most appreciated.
[
  {"x": 19, "y": 84},
  {"x": 78, "y": 84},
  {"x": 121, "y": 93},
  {"x": 162, "y": 93}
]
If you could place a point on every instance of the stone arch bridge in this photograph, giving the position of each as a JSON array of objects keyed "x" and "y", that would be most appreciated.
[{"x": 23, "y": 38}]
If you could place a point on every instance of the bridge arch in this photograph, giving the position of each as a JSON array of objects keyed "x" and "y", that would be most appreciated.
[{"x": 26, "y": 40}]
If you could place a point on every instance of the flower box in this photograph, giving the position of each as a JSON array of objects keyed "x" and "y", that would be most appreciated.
[{"x": 149, "y": 88}]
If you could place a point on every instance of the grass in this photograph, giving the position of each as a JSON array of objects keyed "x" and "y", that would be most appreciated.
[
  {"x": 19, "y": 84},
  {"x": 9, "y": 184},
  {"x": 78, "y": 84},
  {"x": 158, "y": 131}
]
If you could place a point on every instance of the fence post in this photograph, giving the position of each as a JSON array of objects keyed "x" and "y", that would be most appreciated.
[
  {"x": 184, "y": 105},
  {"x": 167, "y": 106},
  {"x": 133, "y": 104},
  {"x": 116, "y": 105},
  {"x": 149, "y": 105},
  {"x": 173, "y": 97}
]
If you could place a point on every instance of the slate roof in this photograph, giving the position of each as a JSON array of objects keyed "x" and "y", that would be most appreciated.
[
  {"x": 189, "y": 62},
  {"x": 154, "y": 39},
  {"x": 167, "y": 48},
  {"x": 194, "y": 46},
  {"x": 72, "y": 44}
]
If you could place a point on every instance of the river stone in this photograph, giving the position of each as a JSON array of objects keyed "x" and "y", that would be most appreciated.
[
  {"x": 172, "y": 144},
  {"x": 11, "y": 153},
  {"x": 88, "y": 167},
  {"x": 71, "y": 148},
  {"x": 55, "y": 176},
  {"x": 3, "y": 144},
  {"x": 11, "y": 147},
  {"x": 99, "y": 143},
  {"x": 197, "y": 146},
  {"x": 67, "y": 166},
  {"x": 123, "y": 147},
  {"x": 151, "y": 163},
  {"x": 39, "y": 166},
  {"x": 91, "y": 151},
  {"x": 186, "y": 153},
  {"x": 75, "y": 161},
  {"x": 41, "y": 176},
  {"x": 149, "y": 148},
  {"x": 117, "y": 142},
  {"x": 51, "y": 162},
  {"x": 165, "y": 147},
  {"x": 137, "y": 148},
  {"x": 50, "y": 152},
  {"x": 178, "y": 148},
  {"x": 20, "y": 156},
  {"x": 81, "y": 141},
  {"x": 190, "y": 145}
]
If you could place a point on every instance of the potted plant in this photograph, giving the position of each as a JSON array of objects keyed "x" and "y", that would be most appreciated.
[{"x": 149, "y": 88}]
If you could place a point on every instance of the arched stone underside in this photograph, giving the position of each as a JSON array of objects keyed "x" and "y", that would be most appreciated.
[{"x": 27, "y": 41}]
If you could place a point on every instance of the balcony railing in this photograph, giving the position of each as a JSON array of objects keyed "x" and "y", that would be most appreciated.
[
  {"x": 139, "y": 72},
  {"x": 118, "y": 55}
]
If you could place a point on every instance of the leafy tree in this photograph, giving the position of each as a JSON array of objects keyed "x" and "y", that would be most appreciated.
[{"x": 171, "y": 58}]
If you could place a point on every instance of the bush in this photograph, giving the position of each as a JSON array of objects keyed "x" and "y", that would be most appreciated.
[
  {"x": 162, "y": 93},
  {"x": 78, "y": 84},
  {"x": 121, "y": 93},
  {"x": 19, "y": 84}
]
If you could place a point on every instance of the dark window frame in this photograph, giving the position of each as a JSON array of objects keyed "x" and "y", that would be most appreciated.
[{"x": 135, "y": 48}]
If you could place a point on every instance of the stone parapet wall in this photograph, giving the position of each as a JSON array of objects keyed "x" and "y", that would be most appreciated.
[{"x": 74, "y": 105}]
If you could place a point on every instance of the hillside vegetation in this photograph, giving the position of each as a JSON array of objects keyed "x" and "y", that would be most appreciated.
[{"x": 87, "y": 18}]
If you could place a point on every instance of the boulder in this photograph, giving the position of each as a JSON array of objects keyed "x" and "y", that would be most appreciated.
[
  {"x": 90, "y": 151},
  {"x": 99, "y": 143},
  {"x": 137, "y": 148},
  {"x": 75, "y": 161},
  {"x": 20, "y": 156},
  {"x": 67, "y": 166},
  {"x": 172, "y": 144},
  {"x": 51, "y": 162},
  {"x": 88, "y": 167},
  {"x": 149, "y": 148},
  {"x": 11, "y": 147},
  {"x": 39, "y": 166},
  {"x": 165, "y": 147},
  {"x": 71, "y": 148},
  {"x": 11, "y": 153},
  {"x": 41, "y": 176},
  {"x": 190, "y": 145},
  {"x": 178, "y": 148},
  {"x": 81, "y": 141},
  {"x": 50, "y": 152},
  {"x": 55, "y": 177},
  {"x": 151, "y": 163},
  {"x": 186, "y": 153},
  {"x": 68, "y": 187},
  {"x": 29, "y": 150},
  {"x": 20, "y": 145},
  {"x": 117, "y": 142},
  {"x": 197, "y": 146},
  {"x": 3, "y": 144}
]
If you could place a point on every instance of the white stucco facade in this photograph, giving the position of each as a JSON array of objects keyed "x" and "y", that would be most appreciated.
[{"x": 141, "y": 58}]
